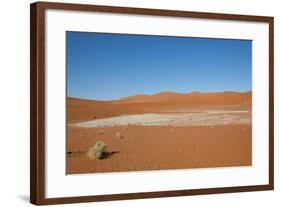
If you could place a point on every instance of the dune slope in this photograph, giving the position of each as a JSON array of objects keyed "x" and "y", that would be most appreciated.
[{"x": 85, "y": 110}]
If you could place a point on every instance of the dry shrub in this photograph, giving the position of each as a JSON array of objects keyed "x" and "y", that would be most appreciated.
[{"x": 96, "y": 151}]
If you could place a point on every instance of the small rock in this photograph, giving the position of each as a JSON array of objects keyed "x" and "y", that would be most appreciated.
[
  {"x": 83, "y": 133},
  {"x": 102, "y": 131},
  {"x": 118, "y": 135}
]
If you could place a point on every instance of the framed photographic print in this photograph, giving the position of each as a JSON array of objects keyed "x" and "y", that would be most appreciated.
[{"x": 130, "y": 103}]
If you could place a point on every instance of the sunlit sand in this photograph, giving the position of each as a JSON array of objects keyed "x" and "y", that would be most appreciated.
[{"x": 181, "y": 118}]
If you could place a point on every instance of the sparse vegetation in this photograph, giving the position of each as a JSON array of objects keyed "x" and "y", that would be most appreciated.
[{"x": 96, "y": 151}]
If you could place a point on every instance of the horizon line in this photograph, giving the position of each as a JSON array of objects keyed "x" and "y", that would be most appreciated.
[{"x": 153, "y": 94}]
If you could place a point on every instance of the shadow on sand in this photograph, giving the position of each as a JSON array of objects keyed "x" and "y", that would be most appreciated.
[{"x": 106, "y": 155}]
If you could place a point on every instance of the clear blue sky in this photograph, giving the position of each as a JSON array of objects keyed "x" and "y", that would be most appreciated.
[{"x": 112, "y": 66}]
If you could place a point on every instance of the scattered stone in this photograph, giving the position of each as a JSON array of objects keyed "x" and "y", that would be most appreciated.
[
  {"x": 96, "y": 151},
  {"x": 118, "y": 135},
  {"x": 94, "y": 116},
  {"x": 83, "y": 133},
  {"x": 102, "y": 131}
]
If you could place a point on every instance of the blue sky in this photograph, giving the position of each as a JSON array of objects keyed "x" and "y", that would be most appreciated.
[{"x": 104, "y": 66}]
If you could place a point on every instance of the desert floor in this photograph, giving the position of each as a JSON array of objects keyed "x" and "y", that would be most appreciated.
[
  {"x": 154, "y": 143},
  {"x": 161, "y": 131}
]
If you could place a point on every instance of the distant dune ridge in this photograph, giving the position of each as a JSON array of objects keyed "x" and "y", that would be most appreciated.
[
  {"x": 83, "y": 110},
  {"x": 195, "y": 98}
]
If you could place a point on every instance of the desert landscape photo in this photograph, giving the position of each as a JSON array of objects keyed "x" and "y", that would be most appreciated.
[{"x": 140, "y": 103}]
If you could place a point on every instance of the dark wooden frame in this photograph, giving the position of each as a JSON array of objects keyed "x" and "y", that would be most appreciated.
[{"x": 37, "y": 102}]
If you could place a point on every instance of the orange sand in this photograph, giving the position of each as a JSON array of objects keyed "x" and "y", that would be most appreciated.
[
  {"x": 84, "y": 110},
  {"x": 155, "y": 148},
  {"x": 158, "y": 147}
]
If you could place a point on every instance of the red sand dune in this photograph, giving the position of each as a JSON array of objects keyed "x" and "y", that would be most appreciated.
[
  {"x": 190, "y": 99},
  {"x": 80, "y": 109},
  {"x": 83, "y": 110}
]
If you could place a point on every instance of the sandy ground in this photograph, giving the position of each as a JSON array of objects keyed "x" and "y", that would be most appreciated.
[
  {"x": 80, "y": 110},
  {"x": 160, "y": 147},
  {"x": 161, "y": 131}
]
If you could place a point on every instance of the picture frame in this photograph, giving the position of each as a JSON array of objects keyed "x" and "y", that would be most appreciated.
[{"x": 39, "y": 94}]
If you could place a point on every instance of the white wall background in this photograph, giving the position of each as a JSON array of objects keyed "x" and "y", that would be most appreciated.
[{"x": 14, "y": 101}]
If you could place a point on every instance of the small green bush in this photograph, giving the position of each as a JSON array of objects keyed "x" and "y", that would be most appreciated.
[{"x": 96, "y": 151}]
